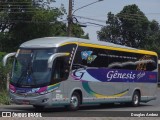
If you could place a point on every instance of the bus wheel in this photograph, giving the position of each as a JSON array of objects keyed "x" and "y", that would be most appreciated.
[
  {"x": 38, "y": 107},
  {"x": 74, "y": 102},
  {"x": 136, "y": 99}
]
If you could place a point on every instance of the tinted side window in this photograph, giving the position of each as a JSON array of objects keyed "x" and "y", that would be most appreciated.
[
  {"x": 122, "y": 60},
  {"x": 96, "y": 57},
  {"x": 90, "y": 57},
  {"x": 60, "y": 70},
  {"x": 148, "y": 63},
  {"x": 70, "y": 48},
  {"x": 131, "y": 61},
  {"x": 61, "y": 66}
]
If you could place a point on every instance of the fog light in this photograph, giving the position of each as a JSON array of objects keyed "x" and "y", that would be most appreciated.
[{"x": 45, "y": 100}]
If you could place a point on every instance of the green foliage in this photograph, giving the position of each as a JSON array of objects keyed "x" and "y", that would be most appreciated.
[
  {"x": 29, "y": 21},
  {"x": 3, "y": 72},
  {"x": 21, "y": 21},
  {"x": 77, "y": 31},
  {"x": 131, "y": 27},
  {"x": 152, "y": 38},
  {"x": 134, "y": 25},
  {"x": 2, "y": 54},
  {"x": 4, "y": 97}
]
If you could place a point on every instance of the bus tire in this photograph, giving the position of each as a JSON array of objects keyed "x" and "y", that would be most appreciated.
[
  {"x": 135, "y": 99},
  {"x": 74, "y": 102}
]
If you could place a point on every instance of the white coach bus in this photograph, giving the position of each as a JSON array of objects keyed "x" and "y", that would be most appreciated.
[{"x": 70, "y": 71}]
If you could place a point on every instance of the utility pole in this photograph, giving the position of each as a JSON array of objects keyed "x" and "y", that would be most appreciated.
[
  {"x": 71, "y": 14},
  {"x": 70, "y": 18}
]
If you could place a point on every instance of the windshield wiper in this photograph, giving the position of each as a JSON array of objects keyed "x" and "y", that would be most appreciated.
[
  {"x": 23, "y": 75},
  {"x": 26, "y": 74},
  {"x": 30, "y": 71}
]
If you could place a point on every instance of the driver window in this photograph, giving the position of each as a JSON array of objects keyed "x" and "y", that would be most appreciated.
[{"x": 60, "y": 70}]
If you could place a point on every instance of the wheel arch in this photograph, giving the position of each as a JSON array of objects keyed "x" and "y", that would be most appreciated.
[
  {"x": 79, "y": 91},
  {"x": 136, "y": 98},
  {"x": 138, "y": 90}
]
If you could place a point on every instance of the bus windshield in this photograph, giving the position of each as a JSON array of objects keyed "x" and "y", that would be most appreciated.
[{"x": 30, "y": 68}]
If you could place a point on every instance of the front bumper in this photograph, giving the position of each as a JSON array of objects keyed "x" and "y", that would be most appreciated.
[{"x": 43, "y": 100}]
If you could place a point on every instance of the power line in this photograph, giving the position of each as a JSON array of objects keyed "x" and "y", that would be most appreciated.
[
  {"x": 152, "y": 13},
  {"x": 103, "y": 21},
  {"x": 14, "y": 5},
  {"x": 20, "y": 12},
  {"x": 96, "y": 24},
  {"x": 124, "y": 14},
  {"x": 93, "y": 25},
  {"x": 23, "y": 11},
  {"x": 125, "y": 17},
  {"x": 17, "y": 8},
  {"x": 28, "y": 21},
  {"x": 140, "y": 18},
  {"x": 122, "y": 29},
  {"x": 15, "y": 2},
  {"x": 128, "y": 17}
]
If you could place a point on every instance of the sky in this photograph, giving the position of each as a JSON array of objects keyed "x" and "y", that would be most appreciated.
[{"x": 99, "y": 10}]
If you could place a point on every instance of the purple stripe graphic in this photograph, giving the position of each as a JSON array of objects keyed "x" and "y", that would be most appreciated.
[{"x": 117, "y": 75}]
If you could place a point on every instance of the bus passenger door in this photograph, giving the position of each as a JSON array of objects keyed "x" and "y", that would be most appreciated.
[{"x": 67, "y": 61}]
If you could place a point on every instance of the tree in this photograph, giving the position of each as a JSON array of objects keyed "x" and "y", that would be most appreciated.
[
  {"x": 40, "y": 25},
  {"x": 111, "y": 32},
  {"x": 130, "y": 27},
  {"x": 23, "y": 20},
  {"x": 77, "y": 31},
  {"x": 26, "y": 21},
  {"x": 4, "y": 37},
  {"x": 153, "y": 37}
]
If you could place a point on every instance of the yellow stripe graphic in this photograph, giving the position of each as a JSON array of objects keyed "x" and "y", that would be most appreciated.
[{"x": 112, "y": 48}]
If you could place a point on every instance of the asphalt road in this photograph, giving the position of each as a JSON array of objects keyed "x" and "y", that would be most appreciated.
[{"x": 121, "y": 110}]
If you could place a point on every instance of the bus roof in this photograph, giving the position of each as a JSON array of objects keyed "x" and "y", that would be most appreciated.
[{"x": 50, "y": 42}]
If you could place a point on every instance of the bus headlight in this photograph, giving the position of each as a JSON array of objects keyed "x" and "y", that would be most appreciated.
[{"x": 45, "y": 100}]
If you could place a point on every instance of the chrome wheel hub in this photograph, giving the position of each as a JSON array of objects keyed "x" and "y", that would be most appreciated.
[
  {"x": 74, "y": 101},
  {"x": 136, "y": 99}
]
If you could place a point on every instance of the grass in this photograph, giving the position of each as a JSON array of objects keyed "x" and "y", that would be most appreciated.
[{"x": 4, "y": 97}]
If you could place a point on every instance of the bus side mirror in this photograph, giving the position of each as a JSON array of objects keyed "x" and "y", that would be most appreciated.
[
  {"x": 54, "y": 56},
  {"x": 5, "y": 58}
]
